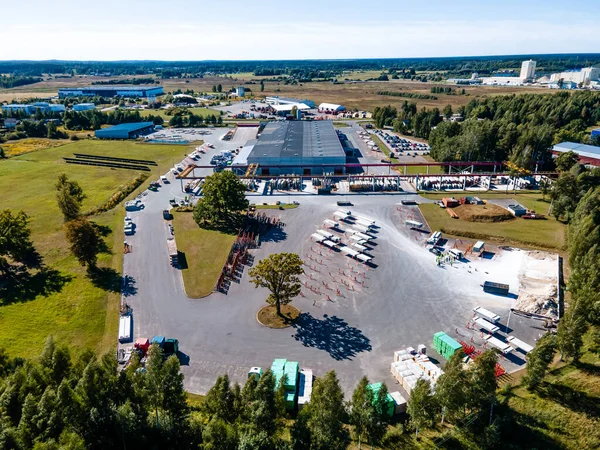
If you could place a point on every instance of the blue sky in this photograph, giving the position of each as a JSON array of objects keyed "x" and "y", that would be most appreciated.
[{"x": 269, "y": 29}]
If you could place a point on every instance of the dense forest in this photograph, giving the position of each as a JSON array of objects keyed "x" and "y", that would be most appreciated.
[
  {"x": 519, "y": 128},
  {"x": 306, "y": 69},
  {"x": 16, "y": 81}
]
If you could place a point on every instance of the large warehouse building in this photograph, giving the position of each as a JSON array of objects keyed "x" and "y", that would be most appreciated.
[
  {"x": 111, "y": 91},
  {"x": 589, "y": 155},
  {"x": 126, "y": 131},
  {"x": 298, "y": 144}
]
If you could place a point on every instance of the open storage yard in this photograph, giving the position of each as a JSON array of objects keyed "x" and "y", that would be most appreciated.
[{"x": 354, "y": 315}]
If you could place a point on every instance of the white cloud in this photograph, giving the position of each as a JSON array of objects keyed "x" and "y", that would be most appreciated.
[{"x": 238, "y": 40}]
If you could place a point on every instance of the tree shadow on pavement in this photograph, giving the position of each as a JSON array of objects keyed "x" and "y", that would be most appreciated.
[
  {"x": 110, "y": 280},
  {"x": 21, "y": 285},
  {"x": 332, "y": 335},
  {"x": 275, "y": 234}
]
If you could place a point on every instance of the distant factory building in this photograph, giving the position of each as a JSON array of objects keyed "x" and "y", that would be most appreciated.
[
  {"x": 33, "y": 108},
  {"x": 126, "y": 131},
  {"x": 583, "y": 76},
  {"x": 589, "y": 155},
  {"x": 473, "y": 80},
  {"x": 298, "y": 144},
  {"x": 84, "y": 107},
  {"x": 111, "y": 91},
  {"x": 528, "y": 70},
  {"x": 289, "y": 101},
  {"x": 326, "y": 107}
]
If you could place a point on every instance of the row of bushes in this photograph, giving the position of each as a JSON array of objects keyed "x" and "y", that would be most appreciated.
[
  {"x": 121, "y": 194},
  {"x": 407, "y": 95}
]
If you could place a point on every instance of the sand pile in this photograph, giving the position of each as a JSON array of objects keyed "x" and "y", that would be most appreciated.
[{"x": 538, "y": 284}]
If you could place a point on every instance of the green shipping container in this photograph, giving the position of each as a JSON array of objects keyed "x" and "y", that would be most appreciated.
[
  {"x": 445, "y": 345},
  {"x": 290, "y": 399},
  {"x": 389, "y": 405},
  {"x": 278, "y": 364}
]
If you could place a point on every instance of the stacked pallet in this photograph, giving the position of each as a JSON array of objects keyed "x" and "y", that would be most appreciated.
[{"x": 409, "y": 367}]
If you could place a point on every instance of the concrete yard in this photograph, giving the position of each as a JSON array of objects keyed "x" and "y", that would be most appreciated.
[
  {"x": 404, "y": 300},
  {"x": 353, "y": 317}
]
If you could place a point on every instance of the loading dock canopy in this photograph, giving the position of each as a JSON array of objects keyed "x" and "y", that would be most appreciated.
[
  {"x": 359, "y": 247},
  {"x": 317, "y": 237},
  {"x": 366, "y": 237},
  {"x": 485, "y": 324},
  {"x": 365, "y": 219},
  {"x": 502, "y": 346},
  {"x": 341, "y": 216},
  {"x": 358, "y": 239},
  {"x": 348, "y": 251},
  {"x": 328, "y": 235},
  {"x": 360, "y": 228},
  {"x": 488, "y": 315},
  {"x": 520, "y": 344},
  {"x": 363, "y": 258}
]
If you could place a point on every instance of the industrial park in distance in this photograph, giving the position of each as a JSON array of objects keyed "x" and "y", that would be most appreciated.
[{"x": 287, "y": 253}]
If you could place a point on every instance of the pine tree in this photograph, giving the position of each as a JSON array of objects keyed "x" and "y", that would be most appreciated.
[
  {"x": 69, "y": 196},
  {"x": 219, "y": 399},
  {"x": 421, "y": 405},
  {"x": 361, "y": 410},
  {"x": 326, "y": 414},
  {"x": 538, "y": 361}
]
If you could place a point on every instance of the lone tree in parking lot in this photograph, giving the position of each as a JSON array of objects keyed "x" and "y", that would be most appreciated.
[
  {"x": 279, "y": 273},
  {"x": 224, "y": 198}
]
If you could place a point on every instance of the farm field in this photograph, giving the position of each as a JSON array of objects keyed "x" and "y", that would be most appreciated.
[
  {"x": 204, "y": 112},
  {"x": 75, "y": 310},
  {"x": 360, "y": 95},
  {"x": 202, "y": 271},
  {"x": 22, "y": 146},
  {"x": 549, "y": 233}
]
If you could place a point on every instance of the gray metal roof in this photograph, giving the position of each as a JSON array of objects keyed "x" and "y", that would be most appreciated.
[
  {"x": 589, "y": 151},
  {"x": 123, "y": 128},
  {"x": 298, "y": 139}
]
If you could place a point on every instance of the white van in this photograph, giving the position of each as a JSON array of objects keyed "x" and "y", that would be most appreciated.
[{"x": 164, "y": 179}]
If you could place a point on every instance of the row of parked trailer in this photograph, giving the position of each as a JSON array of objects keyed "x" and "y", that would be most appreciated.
[
  {"x": 488, "y": 321},
  {"x": 360, "y": 227}
]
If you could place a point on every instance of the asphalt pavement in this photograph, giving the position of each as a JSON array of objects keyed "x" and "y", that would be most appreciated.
[{"x": 403, "y": 302}]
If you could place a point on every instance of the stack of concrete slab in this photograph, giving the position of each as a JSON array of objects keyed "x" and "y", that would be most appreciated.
[
  {"x": 408, "y": 367},
  {"x": 399, "y": 402}
]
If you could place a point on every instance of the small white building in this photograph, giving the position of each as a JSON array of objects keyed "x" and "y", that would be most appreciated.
[
  {"x": 240, "y": 91},
  {"x": 331, "y": 107}
]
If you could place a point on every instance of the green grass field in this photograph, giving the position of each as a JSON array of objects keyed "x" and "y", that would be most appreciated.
[
  {"x": 77, "y": 314},
  {"x": 205, "y": 252},
  {"x": 548, "y": 233},
  {"x": 204, "y": 112},
  {"x": 564, "y": 412}
]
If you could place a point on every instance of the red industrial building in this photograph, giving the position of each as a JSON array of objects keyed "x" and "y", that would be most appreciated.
[{"x": 589, "y": 155}]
